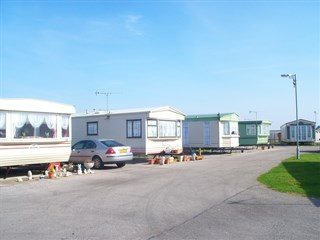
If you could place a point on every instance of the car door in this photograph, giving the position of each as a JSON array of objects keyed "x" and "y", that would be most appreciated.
[
  {"x": 80, "y": 151},
  {"x": 90, "y": 150}
]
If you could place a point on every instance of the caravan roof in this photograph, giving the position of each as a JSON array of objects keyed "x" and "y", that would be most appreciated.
[
  {"x": 34, "y": 105},
  {"x": 132, "y": 110}
]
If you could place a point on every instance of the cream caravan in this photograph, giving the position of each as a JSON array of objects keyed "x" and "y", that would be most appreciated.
[
  {"x": 34, "y": 132},
  {"x": 146, "y": 130}
]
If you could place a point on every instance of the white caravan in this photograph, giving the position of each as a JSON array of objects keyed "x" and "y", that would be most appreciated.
[{"x": 34, "y": 131}]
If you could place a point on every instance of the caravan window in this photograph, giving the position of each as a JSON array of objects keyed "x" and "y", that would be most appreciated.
[
  {"x": 34, "y": 125},
  {"x": 265, "y": 129},
  {"x": 288, "y": 132},
  {"x": 152, "y": 129},
  {"x": 169, "y": 128},
  {"x": 178, "y": 129},
  {"x": 2, "y": 124},
  {"x": 293, "y": 131},
  {"x": 234, "y": 128},
  {"x": 226, "y": 128},
  {"x": 164, "y": 128},
  {"x": 134, "y": 128},
  {"x": 230, "y": 128},
  {"x": 251, "y": 129},
  {"x": 92, "y": 128}
]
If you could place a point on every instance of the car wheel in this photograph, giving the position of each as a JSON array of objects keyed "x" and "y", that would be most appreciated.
[
  {"x": 120, "y": 165},
  {"x": 97, "y": 163}
]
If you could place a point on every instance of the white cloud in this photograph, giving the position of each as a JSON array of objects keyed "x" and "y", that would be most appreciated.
[{"x": 131, "y": 22}]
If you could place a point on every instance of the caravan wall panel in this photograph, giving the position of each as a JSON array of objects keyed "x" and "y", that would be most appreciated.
[
  {"x": 13, "y": 155},
  {"x": 157, "y": 146}
]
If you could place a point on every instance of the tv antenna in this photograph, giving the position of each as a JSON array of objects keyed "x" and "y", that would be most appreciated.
[{"x": 107, "y": 98}]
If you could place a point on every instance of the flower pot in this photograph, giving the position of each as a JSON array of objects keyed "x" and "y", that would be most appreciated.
[
  {"x": 186, "y": 158},
  {"x": 51, "y": 175},
  {"x": 162, "y": 160},
  {"x": 151, "y": 161},
  {"x": 88, "y": 165}
]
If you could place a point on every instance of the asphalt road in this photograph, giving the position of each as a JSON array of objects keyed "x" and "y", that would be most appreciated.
[{"x": 215, "y": 198}]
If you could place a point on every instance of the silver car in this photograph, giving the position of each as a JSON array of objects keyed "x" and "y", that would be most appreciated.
[{"x": 101, "y": 151}]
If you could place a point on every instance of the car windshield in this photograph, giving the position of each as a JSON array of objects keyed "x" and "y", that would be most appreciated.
[{"x": 111, "y": 143}]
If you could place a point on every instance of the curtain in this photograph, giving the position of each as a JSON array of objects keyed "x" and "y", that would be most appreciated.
[
  {"x": 65, "y": 122},
  {"x": 136, "y": 128},
  {"x": 226, "y": 128},
  {"x": 129, "y": 129},
  {"x": 167, "y": 128},
  {"x": 51, "y": 121},
  {"x": 35, "y": 119},
  {"x": 19, "y": 119},
  {"x": 2, "y": 120}
]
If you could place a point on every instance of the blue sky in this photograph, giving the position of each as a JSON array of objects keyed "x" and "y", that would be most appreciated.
[{"x": 198, "y": 57}]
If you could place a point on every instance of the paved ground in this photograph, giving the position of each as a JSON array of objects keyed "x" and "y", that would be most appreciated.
[{"x": 216, "y": 198}]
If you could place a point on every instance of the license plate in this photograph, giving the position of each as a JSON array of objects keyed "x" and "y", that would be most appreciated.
[{"x": 123, "y": 150}]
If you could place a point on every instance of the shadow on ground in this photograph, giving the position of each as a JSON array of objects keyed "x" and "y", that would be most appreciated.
[
  {"x": 137, "y": 160},
  {"x": 21, "y": 171},
  {"x": 311, "y": 151},
  {"x": 308, "y": 176}
]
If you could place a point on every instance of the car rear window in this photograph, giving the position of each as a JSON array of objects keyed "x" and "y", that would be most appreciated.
[{"x": 111, "y": 143}]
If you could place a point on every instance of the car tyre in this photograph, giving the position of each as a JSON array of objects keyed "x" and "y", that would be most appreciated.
[
  {"x": 98, "y": 164},
  {"x": 120, "y": 165}
]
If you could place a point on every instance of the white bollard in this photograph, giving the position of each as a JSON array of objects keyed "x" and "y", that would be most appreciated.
[{"x": 29, "y": 175}]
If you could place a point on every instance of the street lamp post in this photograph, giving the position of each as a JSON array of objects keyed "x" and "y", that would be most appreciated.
[{"x": 294, "y": 81}]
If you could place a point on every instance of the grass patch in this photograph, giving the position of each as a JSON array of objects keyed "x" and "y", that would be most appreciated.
[{"x": 295, "y": 176}]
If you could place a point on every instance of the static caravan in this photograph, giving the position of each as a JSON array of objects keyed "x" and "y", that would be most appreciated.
[
  {"x": 254, "y": 132},
  {"x": 275, "y": 136},
  {"x": 34, "y": 132},
  {"x": 307, "y": 131},
  {"x": 147, "y": 130},
  {"x": 318, "y": 134},
  {"x": 211, "y": 131}
]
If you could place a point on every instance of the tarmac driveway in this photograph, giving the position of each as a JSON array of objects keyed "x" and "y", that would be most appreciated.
[{"x": 215, "y": 198}]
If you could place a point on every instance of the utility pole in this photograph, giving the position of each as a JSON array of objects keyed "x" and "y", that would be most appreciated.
[{"x": 294, "y": 81}]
